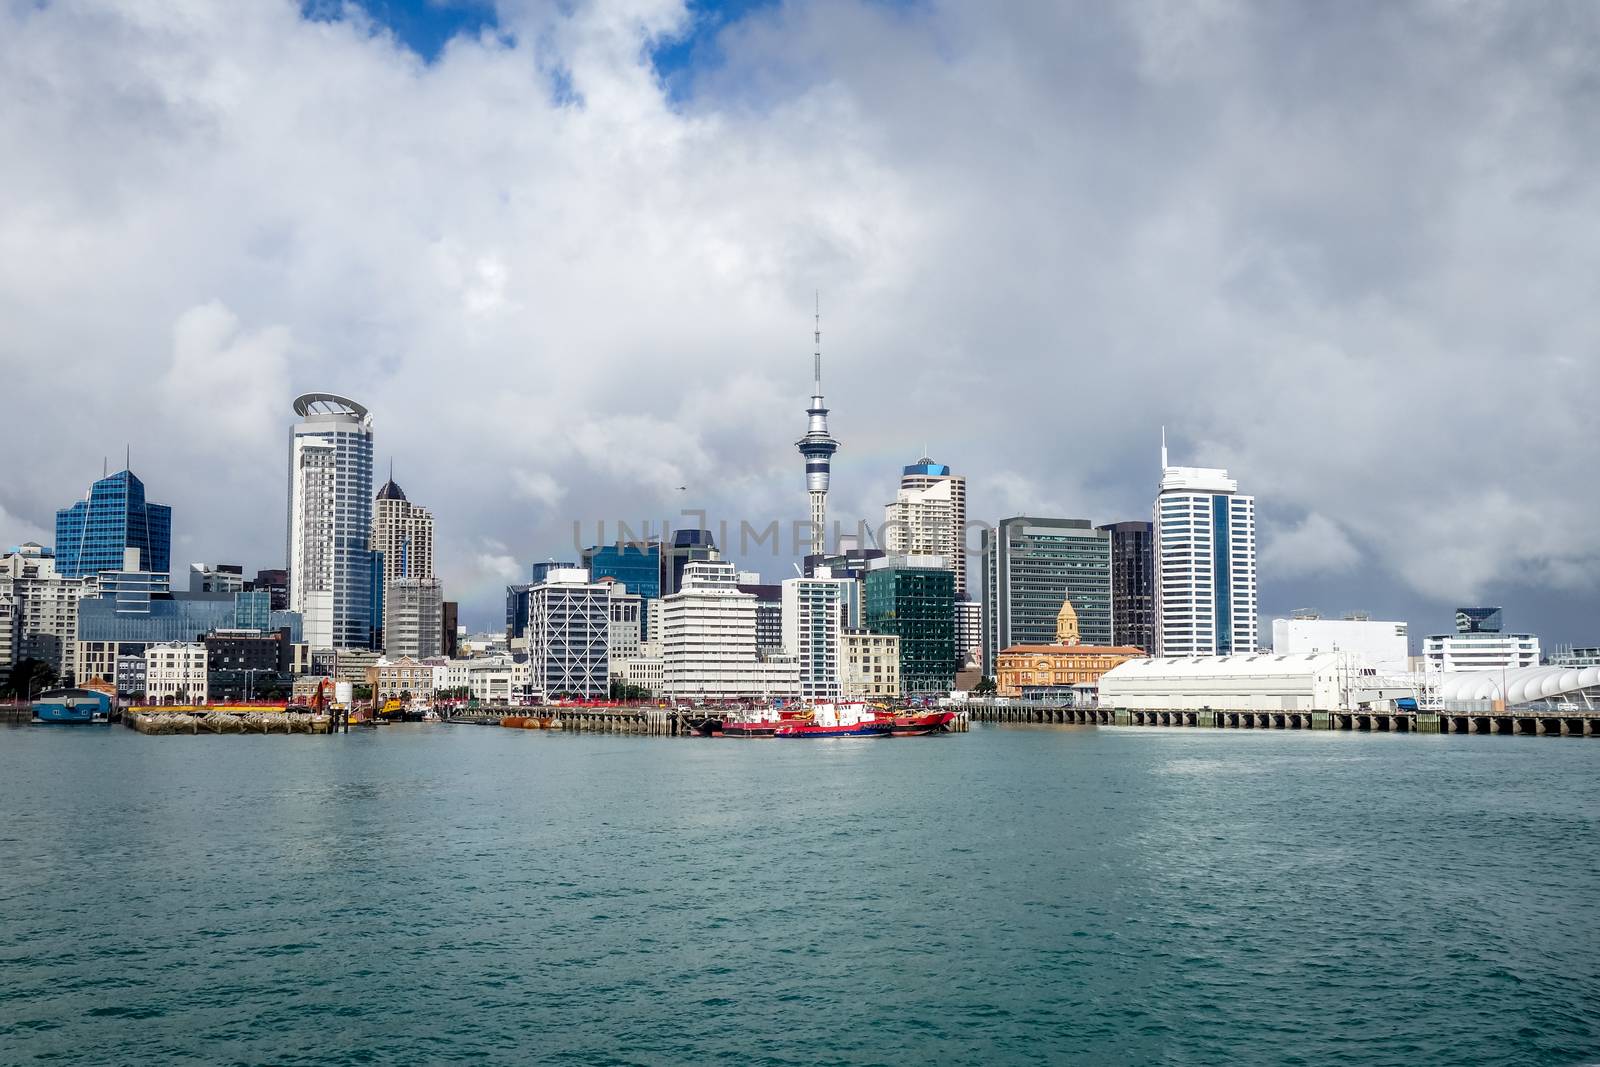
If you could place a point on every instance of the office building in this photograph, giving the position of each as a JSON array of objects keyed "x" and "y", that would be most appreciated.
[
  {"x": 248, "y": 665},
  {"x": 1066, "y": 670},
  {"x": 569, "y": 624},
  {"x": 517, "y": 610},
  {"x": 1474, "y": 647},
  {"x": 129, "y": 672},
  {"x": 1133, "y": 584},
  {"x": 215, "y": 578},
  {"x": 330, "y": 521},
  {"x": 413, "y": 611},
  {"x": 1030, "y": 565},
  {"x": 542, "y": 571},
  {"x": 928, "y": 517},
  {"x": 1580, "y": 656},
  {"x": 403, "y": 533},
  {"x": 252, "y": 610},
  {"x": 769, "y": 611},
  {"x": 625, "y": 633},
  {"x": 708, "y": 640},
  {"x": 45, "y": 606},
  {"x": 969, "y": 634},
  {"x": 175, "y": 673},
  {"x": 815, "y": 613},
  {"x": 450, "y": 629},
  {"x": 686, "y": 547},
  {"x": 401, "y": 679},
  {"x": 817, "y": 448},
  {"x": 1383, "y": 646},
  {"x": 913, "y": 597},
  {"x": 94, "y": 534},
  {"x": 636, "y": 565},
  {"x": 1205, "y": 551},
  {"x": 276, "y": 585},
  {"x": 869, "y": 665}
]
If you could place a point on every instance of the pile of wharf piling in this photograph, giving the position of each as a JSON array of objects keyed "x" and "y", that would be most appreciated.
[
  {"x": 1527, "y": 722},
  {"x": 218, "y": 721},
  {"x": 602, "y": 719}
]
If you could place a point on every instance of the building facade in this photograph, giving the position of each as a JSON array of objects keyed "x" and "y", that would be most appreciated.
[
  {"x": 94, "y": 534},
  {"x": 869, "y": 665},
  {"x": 275, "y": 583},
  {"x": 769, "y": 611},
  {"x": 816, "y": 613},
  {"x": 1479, "y": 651},
  {"x": 248, "y": 665},
  {"x": 1067, "y": 669},
  {"x": 1382, "y": 645},
  {"x": 928, "y": 517},
  {"x": 569, "y": 625},
  {"x": 1133, "y": 584},
  {"x": 401, "y": 679},
  {"x": 969, "y": 634},
  {"x": 636, "y": 565},
  {"x": 913, "y": 597},
  {"x": 625, "y": 632},
  {"x": 1030, "y": 565},
  {"x": 708, "y": 641},
  {"x": 175, "y": 673},
  {"x": 44, "y": 605},
  {"x": 403, "y": 532},
  {"x": 1205, "y": 552},
  {"x": 413, "y": 610},
  {"x": 330, "y": 521},
  {"x": 216, "y": 578}
]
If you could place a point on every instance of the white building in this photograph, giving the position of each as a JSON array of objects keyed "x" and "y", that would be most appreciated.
[
  {"x": 1383, "y": 645},
  {"x": 1483, "y": 651},
  {"x": 1255, "y": 682},
  {"x": 216, "y": 578},
  {"x": 869, "y": 665},
  {"x": 413, "y": 617},
  {"x": 1205, "y": 556},
  {"x": 45, "y": 606},
  {"x": 403, "y": 532},
  {"x": 816, "y": 612},
  {"x": 625, "y": 634},
  {"x": 569, "y": 620},
  {"x": 175, "y": 673},
  {"x": 330, "y": 521},
  {"x": 644, "y": 672},
  {"x": 708, "y": 641},
  {"x": 928, "y": 517}
]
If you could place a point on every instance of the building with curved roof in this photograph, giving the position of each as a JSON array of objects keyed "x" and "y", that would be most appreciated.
[
  {"x": 1257, "y": 682},
  {"x": 330, "y": 521},
  {"x": 1533, "y": 687}
]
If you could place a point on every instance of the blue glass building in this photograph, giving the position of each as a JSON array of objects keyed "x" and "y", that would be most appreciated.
[
  {"x": 635, "y": 565},
  {"x": 93, "y": 534}
]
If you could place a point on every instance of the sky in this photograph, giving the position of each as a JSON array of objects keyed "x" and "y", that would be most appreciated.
[{"x": 567, "y": 252}]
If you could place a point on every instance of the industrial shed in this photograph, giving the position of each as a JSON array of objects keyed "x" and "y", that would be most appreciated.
[{"x": 1257, "y": 682}]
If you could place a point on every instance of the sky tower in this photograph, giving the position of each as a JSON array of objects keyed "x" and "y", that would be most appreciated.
[{"x": 817, "y": 447}]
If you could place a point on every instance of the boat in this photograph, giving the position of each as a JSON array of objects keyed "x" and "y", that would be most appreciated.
[
  {"x": 835, "y": 720},
  {"x": 915, "y": 724},
  {"x": 72, "y": 707},
  {"x": 762, "y": 722}
]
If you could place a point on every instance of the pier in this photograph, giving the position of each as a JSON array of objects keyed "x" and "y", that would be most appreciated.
[{"x": 1531, "y": 722}]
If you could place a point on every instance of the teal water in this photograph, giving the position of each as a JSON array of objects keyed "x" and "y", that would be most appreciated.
[{"x": 426, "y": 894}]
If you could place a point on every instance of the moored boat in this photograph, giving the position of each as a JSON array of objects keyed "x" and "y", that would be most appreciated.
[
  {"x": 835, "y": 720},
  {"x": 915, "y": 724}
]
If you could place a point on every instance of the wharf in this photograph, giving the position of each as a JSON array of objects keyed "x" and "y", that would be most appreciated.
[
  {"x": 646, "y": 720},
  {"x": 1527, "y": 722},
  {"x": 226, "y": 722}
]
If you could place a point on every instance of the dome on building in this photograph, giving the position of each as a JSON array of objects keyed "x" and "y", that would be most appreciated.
[{"x": 391, "y": 491}]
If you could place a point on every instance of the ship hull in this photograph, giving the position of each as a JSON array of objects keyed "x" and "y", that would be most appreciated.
[
  {"x": 748, "y": 729},
  {"x": 860, "y": 729},
  {"x": 921, "y": 725}
]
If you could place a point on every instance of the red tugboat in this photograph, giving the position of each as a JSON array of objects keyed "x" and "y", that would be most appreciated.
[
  {"x": 915, "y": 724},
  {"x": 835, "y": 720}
]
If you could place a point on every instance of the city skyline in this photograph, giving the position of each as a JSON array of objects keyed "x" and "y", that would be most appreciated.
[{"x": 1348, "y": 335}]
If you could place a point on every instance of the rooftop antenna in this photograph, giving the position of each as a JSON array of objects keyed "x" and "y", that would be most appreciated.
[
  {"x": 127, "y": 458},
  {"x": 1163, "y": 448},
  {"x": 105, "y": 466}
]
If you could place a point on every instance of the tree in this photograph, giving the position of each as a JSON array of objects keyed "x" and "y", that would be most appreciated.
[
  {"x": 985, "y": 688},
  {"x": 27, "y": 677}
]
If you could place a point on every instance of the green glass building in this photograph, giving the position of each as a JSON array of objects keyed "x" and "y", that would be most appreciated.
[{"x": 918, "y": 604}]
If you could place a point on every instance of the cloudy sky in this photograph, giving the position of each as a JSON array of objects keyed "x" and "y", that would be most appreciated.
[{"x": 566, "y": 251}]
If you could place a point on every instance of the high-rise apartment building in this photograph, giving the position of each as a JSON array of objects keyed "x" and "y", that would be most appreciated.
[
  {"x": 708, "y": 639},
  {"x": 1205, "y": 555},
  {"x": 569, "y": 626},
  {"x": 816, "y": 614},
  {"x": 403, "y": 532},
  {"x": 928, "y": 517},
  {"x": 1133, "y": 584},
  {"x": 94, "y": 534},
  {"x": 330, "y": 521},
  {"x": 412, "y": 612},
  {"x": 913, "y": 597},
  {"x": 45, "y": 606},
  {"x": 1030, "y": 565}
]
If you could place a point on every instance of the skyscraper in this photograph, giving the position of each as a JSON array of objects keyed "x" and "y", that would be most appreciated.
[
  {"x": 818, "y": 448},
  {"x": 330, "y": 520},
  {"x": 1133, "y": 584},
  {"x": 635, "y": 564},
  {"x": 1031, "y": 565},
  {"x": 93, "y": 534},
  {"x": 928, "y": 517},
  {"x": 403, "y": 532},
  {"x": 413, "y": 610},
  {"x": 1205, "y": 553},
  {"x": 913, "y": 597}
]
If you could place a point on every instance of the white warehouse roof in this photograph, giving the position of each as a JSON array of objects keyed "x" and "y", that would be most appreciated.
[
  {"x": 1255, "y": 665},
  {"x": 1523, "y": 684}
]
